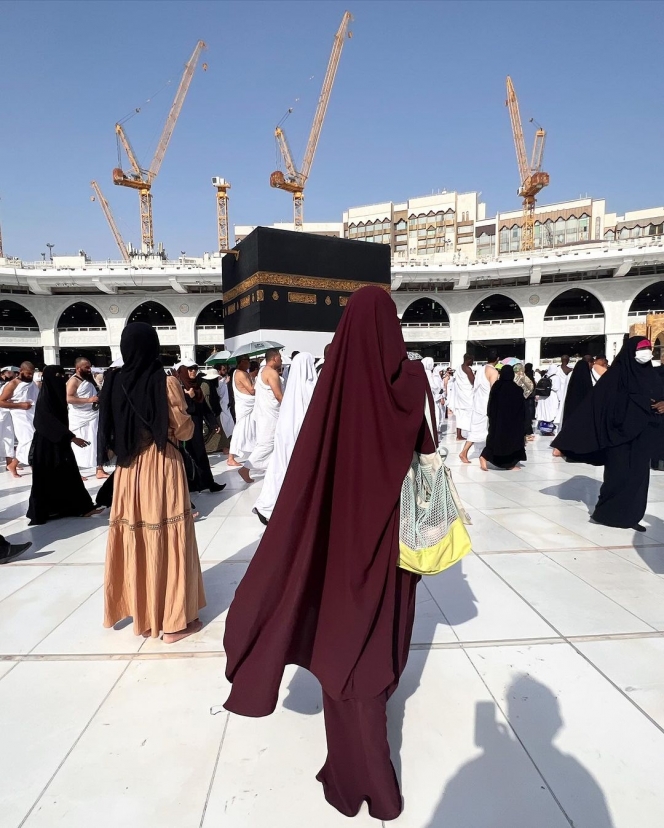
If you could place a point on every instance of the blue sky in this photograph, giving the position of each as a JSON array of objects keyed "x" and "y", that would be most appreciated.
[{"x": 418, "y": 106}]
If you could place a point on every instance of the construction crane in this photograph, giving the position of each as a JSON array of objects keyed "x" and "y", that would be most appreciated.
[
  {"x": 98, "y": 196},
  {"x": 142, "y": 179},
  {"x": 222, "y": 187},
  {"x": 294, "y": 180},
  {"x": 532, "y": 178}
]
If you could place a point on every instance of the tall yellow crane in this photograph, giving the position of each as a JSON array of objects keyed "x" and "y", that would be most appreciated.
[
  {"x": 98, "y": 196},
  {"x": 294, "y": 180},
  {"x": 222, "y": 186},
  {"x": 532, "y": 178},
  {"x": 141, "y": 179}
]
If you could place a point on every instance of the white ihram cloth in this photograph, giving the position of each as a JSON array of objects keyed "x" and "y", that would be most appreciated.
[
  {"x": 547, "y": 409},
  {"x": 479, "y": 421},
  {"x": 436, "y": 384},
  {"x": 6, "y": 430},
  {"x": 564, "y": 382},
  {"x": 244, "y": 433},
  {"x": 266, "y": 416},
  {"x": 451, "y": 394},
  {"x": 84, "y": 423},
  {"x": 225, "y": 418},
  {"x": 302, "y": 379},
  {"x": 22, "y": 421},
  {"x": 463, "y": 399}
]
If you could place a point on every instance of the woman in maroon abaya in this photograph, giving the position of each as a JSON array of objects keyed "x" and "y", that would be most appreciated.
[{"x": 323, "y": 590}]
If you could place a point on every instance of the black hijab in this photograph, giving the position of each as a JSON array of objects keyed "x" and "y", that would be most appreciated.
[
  {"x": 580, "y": 385},
  {"x": 134, "y": 408},
  {"x": 51, "y": 420},
  {"x": 506, "y": 412},
  {"x": 616, "y": 411}
]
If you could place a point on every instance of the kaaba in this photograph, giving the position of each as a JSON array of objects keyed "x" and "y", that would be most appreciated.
[{"x": 293, "y": 287}]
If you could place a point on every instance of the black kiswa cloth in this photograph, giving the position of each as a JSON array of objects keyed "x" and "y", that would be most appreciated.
[
  {"x": 617, "y": 410},
  {"x": 57, "y": 488}
]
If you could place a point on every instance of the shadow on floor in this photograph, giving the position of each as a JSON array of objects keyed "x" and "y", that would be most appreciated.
[
  {"x": 652, "y": 556},
  {"x": 489, "y": 791},
  {"x": 579, "y": 488}
]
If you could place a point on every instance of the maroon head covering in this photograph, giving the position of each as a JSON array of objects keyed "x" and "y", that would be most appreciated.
[
  {"x": 187, "y": 383},
  {"x": 323, "y": 590}
]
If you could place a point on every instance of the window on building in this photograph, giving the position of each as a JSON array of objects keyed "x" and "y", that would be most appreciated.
[
  {"x": 559, "y": 232},
  {"x": 610, "y": 235},
  {"x": 400, "y": 226},
  {"x": 504, "y": 240},
  {"x": 515, "y": 238},
  {"x": 572, "y": 227},
  {"x": 584, "y": 228},
  {"x": 624, "y": 233},
  {"x": 655, "y": 229}
]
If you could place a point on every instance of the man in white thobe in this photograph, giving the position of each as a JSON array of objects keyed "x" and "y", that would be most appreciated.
[
  {"x": 83, "y": 402},
  {"x": 464, "y": 380},
  {"x": 479, "y": 420},
  {"x": 7, "y": 374},
  {"x": 548, "y": 407},
  {"x": 244, "y": 433},
  {"x": 269, "y": 394},
  {"x": 225, "y": 418},
  {"x": 19, "y": 397}
]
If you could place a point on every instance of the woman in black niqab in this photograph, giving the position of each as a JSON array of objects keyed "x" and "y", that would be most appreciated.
[
  {"x": 616, "y": 426},
  {"x": 505, "y": 440},
  {"x": 579, "y": 386},
  {"x": 57, "y": 487}
]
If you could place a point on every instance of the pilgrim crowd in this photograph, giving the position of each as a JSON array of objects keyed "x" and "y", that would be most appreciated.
[{"x": 332, "y": 443}]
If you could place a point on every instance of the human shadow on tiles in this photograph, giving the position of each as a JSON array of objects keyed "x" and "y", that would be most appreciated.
[
  {"x": 491, "y": 791},
  {"x": 220, "y": 582},
  {"x": 579, "y": 488},
  {"x": 652, "y": 556},
  {"x": 46, "y": 538},
  {"x": 454, "y": 603}
]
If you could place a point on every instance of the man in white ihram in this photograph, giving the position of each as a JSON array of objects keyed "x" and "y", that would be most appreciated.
[
  {"x": 479, "y": 420},
  {"x": 7, "y": 374},
  {"x": 269, "y": 394},
  {"x": 436, "y": 385},
  {"x": 19, "y": 397},
  {"x": 83, "y": 399},
  {"x": 244, "y": 431},
  {"x": 464, "y": 380}
]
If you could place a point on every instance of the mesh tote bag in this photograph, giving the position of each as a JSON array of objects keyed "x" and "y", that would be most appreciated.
[{"x": 432, "y": 535}]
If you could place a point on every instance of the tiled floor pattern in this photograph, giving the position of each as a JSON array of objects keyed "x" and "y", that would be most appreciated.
[{"x": 533, "y": 697}]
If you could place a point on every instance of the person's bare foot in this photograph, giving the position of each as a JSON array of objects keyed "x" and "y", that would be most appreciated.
[
  {"x": 483, "y": 464},
  {"x": 464, "y": 459},
  {"x": 232, "y": 462},
  {"x": 147, "y": 634},
  {"x": 557, "y": 453},
  {"x": 191, "y": 629},
  {"x": 101, "y": 474},
  {"x": 244, "y": 474},
  {"x": 12, "y": 468},
  {"x": 224, "y": 451},
  {"x": 516, "y": 468}
]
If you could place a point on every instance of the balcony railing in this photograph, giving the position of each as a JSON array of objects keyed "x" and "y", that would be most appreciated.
[
  {"x": 425, "y": 324},
  {"x": 573, "y": 317},
  {"x": 636, "y": 314},
  {"x": 18, "y": 328},
  {"x": 496, "y": 322},
  {"x": 87, "y": 328}
]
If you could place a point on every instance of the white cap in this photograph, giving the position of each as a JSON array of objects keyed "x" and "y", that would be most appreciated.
[
  {"x": 211, "y": 374},
  {"x": 188, "y": 363}
]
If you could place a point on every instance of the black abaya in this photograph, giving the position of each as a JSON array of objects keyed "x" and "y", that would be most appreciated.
[
  {"x": 57, "y": 488},
  {"x": 580, "y": 385},
  {"x": 507, "y": 410},
  {"x": 615, "y": 426}
]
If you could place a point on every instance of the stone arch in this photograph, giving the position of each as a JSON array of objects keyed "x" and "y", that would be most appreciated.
[
  {"x": 649, "y": 299},
  {"x": 574, "y": 301},
  {"x": 80, "y": 315},
  {"x": 154, "y": 313},
  {"x": 212, "y": 314},
  {"x": 496, "y": 306},
  {"x": 426, "y": 309},
  {"x": 15, "y": 315}
]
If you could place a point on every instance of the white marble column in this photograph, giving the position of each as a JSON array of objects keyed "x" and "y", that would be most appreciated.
[
  {"x": 533, "y": 350},
  {"x": 51, "y": 355},
  {"x": 457, "y": 350}
]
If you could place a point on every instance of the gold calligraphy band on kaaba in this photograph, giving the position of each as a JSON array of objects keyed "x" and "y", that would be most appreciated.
[
  {"x": 289, "y": 280},
  {"x": 302, "y": 298}
]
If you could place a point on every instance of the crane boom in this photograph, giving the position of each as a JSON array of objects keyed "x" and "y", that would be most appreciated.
[
  {"x": 286, "y": 154},
  {"x": 517, "y": 131},
  {"x": 131, "y": 155},
  {"x": 174, "y": 114},
  {"x": 325, "y": 92},
  {"x": 122, "y": 247},
  {"x": 538, "y": 150}
]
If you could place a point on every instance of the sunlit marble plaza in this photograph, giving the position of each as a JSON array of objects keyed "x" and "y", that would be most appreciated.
[{"x": 533, "y": 696}]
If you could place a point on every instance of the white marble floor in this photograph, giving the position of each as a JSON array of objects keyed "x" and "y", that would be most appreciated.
[{"x": 533, "y": 697}]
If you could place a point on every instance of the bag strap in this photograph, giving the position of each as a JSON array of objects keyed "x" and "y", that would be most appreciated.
[
  {"x": 427, "y": 415},
  {"x": 142, "y": 418}
]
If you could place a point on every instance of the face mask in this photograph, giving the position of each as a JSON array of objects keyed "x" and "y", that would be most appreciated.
[{"x": 643, "y": 356}]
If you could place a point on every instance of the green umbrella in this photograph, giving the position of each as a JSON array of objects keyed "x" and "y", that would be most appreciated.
[{"x": 219, "y": 358}]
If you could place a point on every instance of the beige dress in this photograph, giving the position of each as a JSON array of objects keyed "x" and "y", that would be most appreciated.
[{"x": 153, "y": 572}]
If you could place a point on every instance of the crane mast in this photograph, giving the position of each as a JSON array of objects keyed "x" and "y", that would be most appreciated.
[
  {"x": 533, "y": 180},
  {"x": 223, "y": 235},
  {"x": 122, "y": 247},
  {"x": 141, "y": 179},
  {"x": 295, "y": 180}
]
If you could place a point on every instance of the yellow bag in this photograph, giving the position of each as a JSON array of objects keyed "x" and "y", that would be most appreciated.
[{"x": 432, "y": 535}]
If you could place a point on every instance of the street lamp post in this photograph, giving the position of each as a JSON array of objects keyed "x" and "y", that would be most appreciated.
[{"x": 50, "y": 250}]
